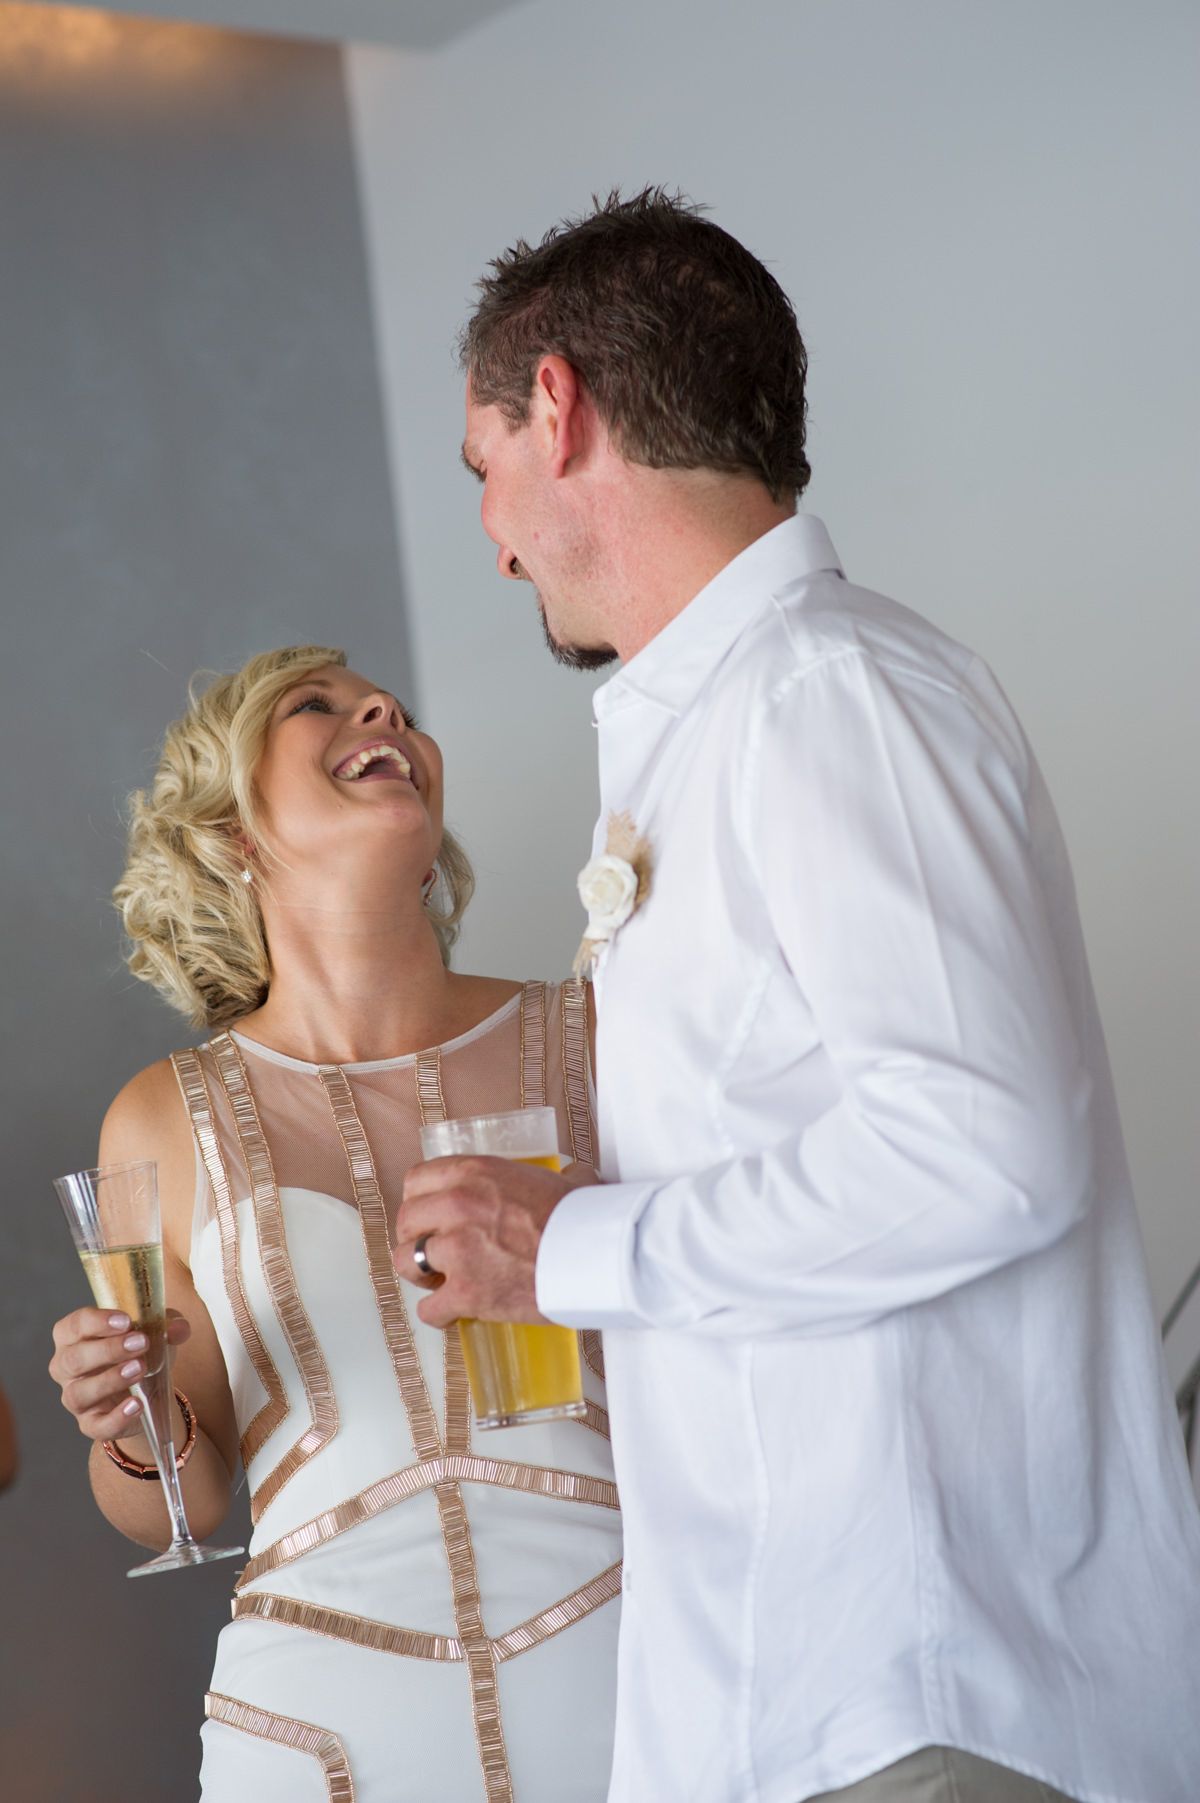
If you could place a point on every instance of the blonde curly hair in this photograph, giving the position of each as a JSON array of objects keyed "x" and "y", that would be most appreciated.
[{"x": 192, "y": 924}]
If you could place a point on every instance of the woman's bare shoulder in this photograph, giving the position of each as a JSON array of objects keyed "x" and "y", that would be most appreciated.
[
  {"x": 474, "y": 1000},
  {"x": 148, "y": 1120},
  {"x": 489, "y": 993},
  {"x": 146, "y": 1114}
]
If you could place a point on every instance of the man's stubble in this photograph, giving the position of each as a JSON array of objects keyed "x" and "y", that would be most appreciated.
[
  {"x": 563, "y": 651},
  {"x": 575, "y": 657}
]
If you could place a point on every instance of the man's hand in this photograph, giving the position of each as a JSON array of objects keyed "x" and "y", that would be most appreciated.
[{"x": 482, "y": 1219}]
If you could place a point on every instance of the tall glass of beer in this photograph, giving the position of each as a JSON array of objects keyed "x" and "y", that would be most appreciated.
[{"x": 518, "y": 1372}]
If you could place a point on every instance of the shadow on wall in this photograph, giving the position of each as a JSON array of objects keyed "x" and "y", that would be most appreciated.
[{"x": 192, "y": 468}]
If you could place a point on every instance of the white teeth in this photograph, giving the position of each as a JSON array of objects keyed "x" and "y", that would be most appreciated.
[{"x": 351, "y": 771}]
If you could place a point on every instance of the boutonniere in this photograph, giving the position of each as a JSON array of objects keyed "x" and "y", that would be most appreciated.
[{"x": 612, "y": 886}]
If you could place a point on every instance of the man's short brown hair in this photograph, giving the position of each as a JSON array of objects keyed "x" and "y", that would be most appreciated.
[{"x": 687, "y": 345}]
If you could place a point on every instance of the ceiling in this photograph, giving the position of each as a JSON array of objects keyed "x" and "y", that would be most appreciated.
[{"x": 416, "y": 24}]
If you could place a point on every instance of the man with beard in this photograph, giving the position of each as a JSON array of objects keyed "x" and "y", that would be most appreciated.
[{"x": 906, "y": 1511}]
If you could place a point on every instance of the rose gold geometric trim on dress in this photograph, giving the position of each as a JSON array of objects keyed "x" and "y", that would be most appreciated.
[
  {"x": 560, "y": 1615},
  {"x": 533, "y": 1045},
  {"x": 458, "y": 1394},
  {"x": 596, "y": 1418},
  {"x": 389, "y": 1300},
  {"x": 532, "y": 1480},
  {"x": 592, "y": 1348},
  {"x": 477, "y": 1648},
  {"x": 303, "y": 1736},
  {"x": 456, "y": 1532},
  {"x": 575, "y": 1069},
  {"x": 432, "y": 1105},
  {"x": 411, "y": 1643},
  {"x": 360, "y": 1630},
  {"x": 189, "y": 1073},
  {"x": 428, "y": 1071},
  {"x": 281, "y": 1280}
]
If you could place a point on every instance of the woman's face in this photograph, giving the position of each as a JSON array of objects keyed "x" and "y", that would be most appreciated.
[{"x": 344, "y": 760}]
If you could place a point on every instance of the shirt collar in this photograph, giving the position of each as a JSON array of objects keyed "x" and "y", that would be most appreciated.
[{"x": 673, "y": 667}]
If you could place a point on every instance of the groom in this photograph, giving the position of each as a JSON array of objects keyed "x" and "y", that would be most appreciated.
[{"x": 906, "y": 1512}]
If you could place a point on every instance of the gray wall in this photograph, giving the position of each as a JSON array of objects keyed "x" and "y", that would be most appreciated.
[
  {"x": 986, "y": 216},
  {"x": 192, "y": 468}
]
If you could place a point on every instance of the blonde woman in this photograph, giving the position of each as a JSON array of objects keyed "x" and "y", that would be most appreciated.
[{"x": 422, "y": 1616}]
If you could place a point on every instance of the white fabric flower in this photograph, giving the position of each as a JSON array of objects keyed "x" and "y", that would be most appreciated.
[{"x": 608, "y": 888}]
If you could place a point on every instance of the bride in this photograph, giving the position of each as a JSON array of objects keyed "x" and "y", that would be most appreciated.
[{"x": 426, "y": 1613}]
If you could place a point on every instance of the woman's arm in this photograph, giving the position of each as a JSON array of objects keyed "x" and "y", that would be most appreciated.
[{"x": 95, "y": 1362}]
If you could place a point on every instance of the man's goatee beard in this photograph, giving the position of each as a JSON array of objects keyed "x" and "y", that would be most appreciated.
[{"x": 575, "y": 657}]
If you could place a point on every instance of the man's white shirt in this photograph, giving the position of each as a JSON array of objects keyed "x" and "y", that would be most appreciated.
[{"x": 896, "y": 1452}]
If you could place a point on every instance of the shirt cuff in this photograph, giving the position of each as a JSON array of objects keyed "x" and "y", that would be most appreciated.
[{"x": 585, "y": 1254}]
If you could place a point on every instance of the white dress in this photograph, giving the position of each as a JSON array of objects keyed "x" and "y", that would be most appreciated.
[{"x": 429, "y": 1614}]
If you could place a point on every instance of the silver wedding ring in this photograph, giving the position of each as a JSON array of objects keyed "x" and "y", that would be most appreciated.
[{"x": 420, "y": 1260}]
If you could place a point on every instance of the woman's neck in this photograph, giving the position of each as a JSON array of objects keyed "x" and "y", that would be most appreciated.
[{"x": 350, "y": 984}]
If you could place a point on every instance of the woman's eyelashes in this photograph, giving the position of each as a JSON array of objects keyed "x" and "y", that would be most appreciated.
[{"x": 321, "y": 704}]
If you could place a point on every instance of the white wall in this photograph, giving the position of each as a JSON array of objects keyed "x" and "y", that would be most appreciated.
[{"x": 985, "y": 215}]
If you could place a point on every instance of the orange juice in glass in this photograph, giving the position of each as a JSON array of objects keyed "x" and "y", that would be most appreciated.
[{"x": 518, "y": 1371}]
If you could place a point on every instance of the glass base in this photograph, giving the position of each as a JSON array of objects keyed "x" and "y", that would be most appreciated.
[
  {"x": 177, "y": 1557},
  {"x": 561, "y": 1411}
]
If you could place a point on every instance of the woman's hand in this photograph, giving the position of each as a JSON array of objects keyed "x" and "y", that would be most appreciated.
[{"x": 97, "y": 1355}]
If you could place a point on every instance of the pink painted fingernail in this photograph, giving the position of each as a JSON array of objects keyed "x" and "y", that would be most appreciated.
[
  {"x": 132, "y": 1368},
  {"x": 117, "y": 1322},
  {"x": 132, "y": 1407},
  {"x": 136, "y": 1343}
]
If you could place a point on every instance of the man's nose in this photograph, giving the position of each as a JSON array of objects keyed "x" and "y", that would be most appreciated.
[{"x": 509, "y": 564}]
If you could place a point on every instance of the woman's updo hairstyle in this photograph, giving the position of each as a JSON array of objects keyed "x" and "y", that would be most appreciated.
[{"x": 193, "y": 926}]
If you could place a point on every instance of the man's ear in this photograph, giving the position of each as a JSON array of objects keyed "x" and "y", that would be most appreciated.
[{"x": 558, "y": 405}]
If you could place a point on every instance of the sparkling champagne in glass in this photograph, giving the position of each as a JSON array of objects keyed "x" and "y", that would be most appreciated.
[
  {"x": 113, "y": 1215},
  {"x": 518, "y": 1371}
]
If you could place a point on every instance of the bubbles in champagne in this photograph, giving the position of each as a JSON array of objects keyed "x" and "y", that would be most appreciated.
[{"x": 131, "y": 1278}]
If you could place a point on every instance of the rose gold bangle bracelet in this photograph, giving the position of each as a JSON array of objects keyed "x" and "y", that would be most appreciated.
[{"x": 149, "y": 1473}]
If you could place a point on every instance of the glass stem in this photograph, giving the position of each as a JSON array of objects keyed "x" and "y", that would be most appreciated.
[{"x": 157, "y": 1399}]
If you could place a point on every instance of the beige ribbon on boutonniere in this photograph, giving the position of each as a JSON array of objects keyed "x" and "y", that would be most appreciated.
[{"x": 612, "y": 886}]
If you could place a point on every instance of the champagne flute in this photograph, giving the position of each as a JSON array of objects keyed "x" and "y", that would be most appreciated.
[
  {"x": 518, "y": 1371},
  {"x": 113, "y": 1215}
]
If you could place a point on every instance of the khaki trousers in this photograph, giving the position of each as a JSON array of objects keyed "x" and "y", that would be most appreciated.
[{"x": 944, "y": 1775}]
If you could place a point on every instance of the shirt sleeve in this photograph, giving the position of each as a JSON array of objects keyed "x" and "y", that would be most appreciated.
[{"x": 909, "y": 864}]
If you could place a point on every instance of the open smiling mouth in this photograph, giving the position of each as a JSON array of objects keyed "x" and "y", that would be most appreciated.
[{"x": 375, "y": 763}]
